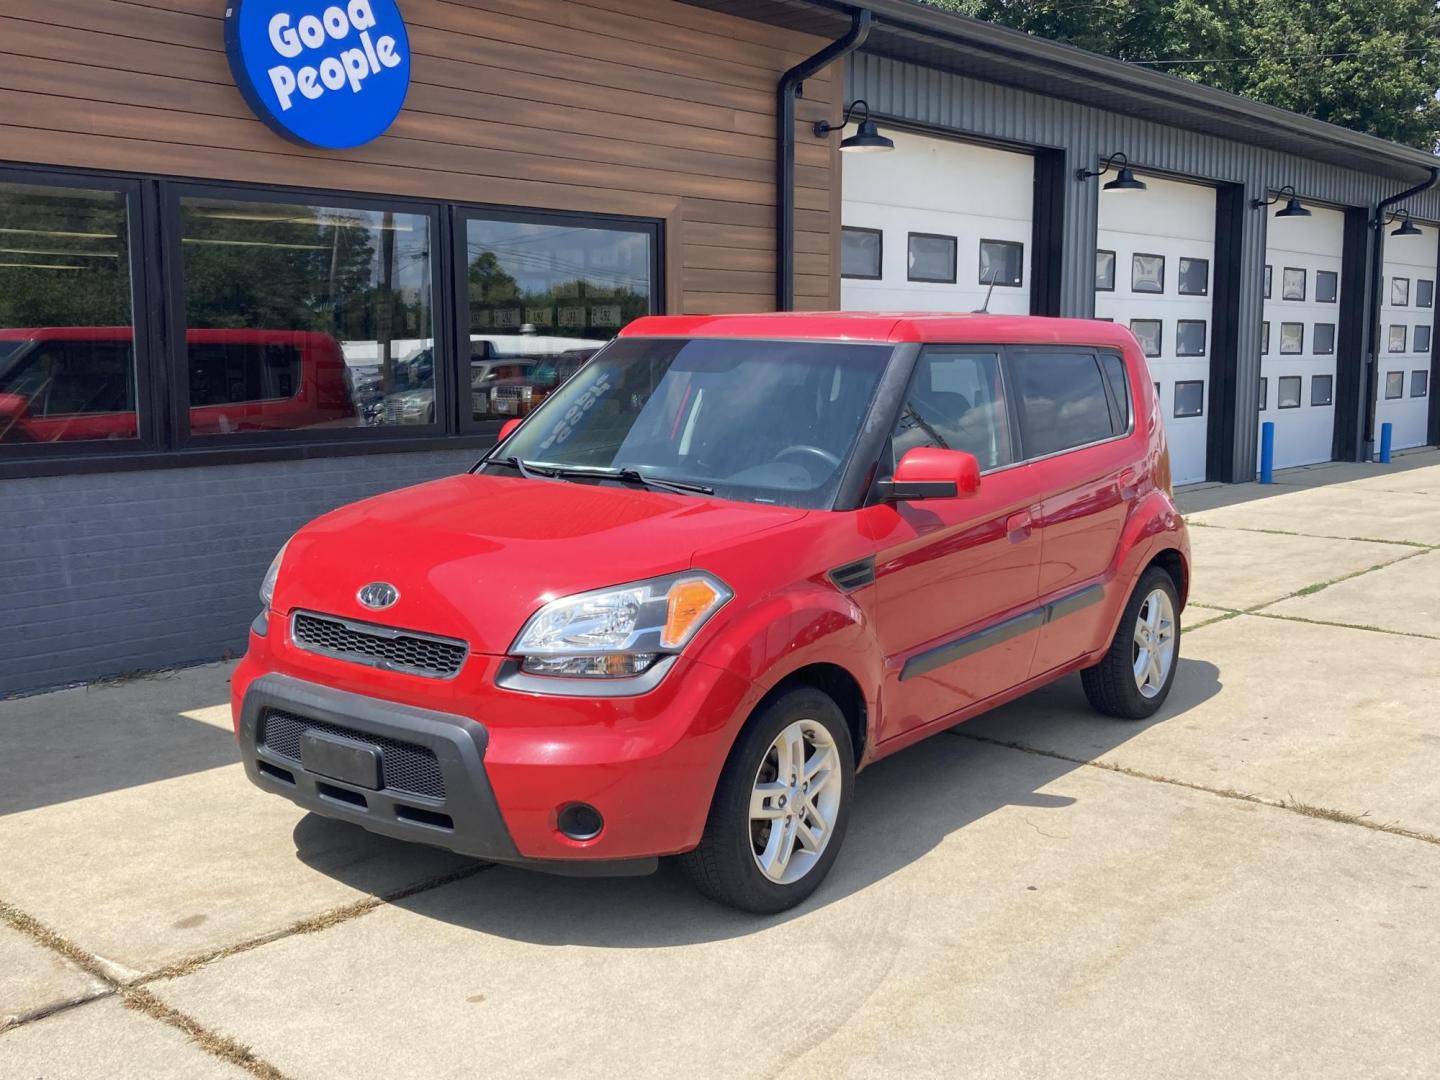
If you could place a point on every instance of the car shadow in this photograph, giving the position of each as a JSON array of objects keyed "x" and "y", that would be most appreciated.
[{"x": 905, "y": 806}]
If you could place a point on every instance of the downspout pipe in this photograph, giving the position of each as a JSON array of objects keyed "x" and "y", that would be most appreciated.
[
  {"x": 1377, "y": 282},
  {"x": 785, "y": 151}
]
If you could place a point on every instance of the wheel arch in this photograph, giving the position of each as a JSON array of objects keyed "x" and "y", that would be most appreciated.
[
  {"x": 837, "y": 683},
  {"x": 1172, "y": 561}
]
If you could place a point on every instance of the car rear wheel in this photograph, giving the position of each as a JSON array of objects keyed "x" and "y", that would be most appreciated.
[
  {"x": 1134, "y": 678},
  {"x": 781, "y": 807}
]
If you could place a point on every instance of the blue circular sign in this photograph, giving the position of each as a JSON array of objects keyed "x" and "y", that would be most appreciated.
[{"x": 326, "y": 73}]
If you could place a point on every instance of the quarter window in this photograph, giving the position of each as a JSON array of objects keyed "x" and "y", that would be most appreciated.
[
  {"x": 67, "y": 365},
  {"x": 1062, "y": 401},
  {"x": 956, "y": 402},
  {"x": 860, "y": 253}
]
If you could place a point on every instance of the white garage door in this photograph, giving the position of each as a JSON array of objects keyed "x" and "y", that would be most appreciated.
[
  {"x": 1302, "y": 325},
  {"x": 926, "y": 223},
  {"x": 1406, "y": 321},
  {"x": 1153, "y": 270}
]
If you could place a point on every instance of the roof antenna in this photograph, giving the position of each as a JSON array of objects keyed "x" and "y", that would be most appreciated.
[{"x": 984, "y": 309}]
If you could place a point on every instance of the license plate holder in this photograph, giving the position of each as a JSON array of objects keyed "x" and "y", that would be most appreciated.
[{"x": 339, "y": 758}]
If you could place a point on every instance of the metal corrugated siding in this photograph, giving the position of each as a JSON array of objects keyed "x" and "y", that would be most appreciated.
[{"x": 969, "y": 107}]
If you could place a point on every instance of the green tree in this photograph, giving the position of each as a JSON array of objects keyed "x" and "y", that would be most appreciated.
[{"x": 1369, "y": 65}]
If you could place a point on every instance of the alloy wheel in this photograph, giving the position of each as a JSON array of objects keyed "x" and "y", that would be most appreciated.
[
  {"x": 1154, "y": 643},
  {"x": 794, "y": 801}
]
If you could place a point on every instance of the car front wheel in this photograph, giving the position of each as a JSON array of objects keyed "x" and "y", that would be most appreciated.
[{"x": 781, "y": 806}]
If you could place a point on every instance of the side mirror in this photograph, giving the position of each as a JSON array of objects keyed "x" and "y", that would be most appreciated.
[
  {"x": 507, "y": 429},
  {"x": 927, "y": 472},
  {"x": 13, "y": 407}
]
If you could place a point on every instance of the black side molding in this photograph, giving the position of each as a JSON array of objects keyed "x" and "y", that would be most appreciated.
[
  {"x": 948, "y": 653},
  {"x": 855, "y": 575}
]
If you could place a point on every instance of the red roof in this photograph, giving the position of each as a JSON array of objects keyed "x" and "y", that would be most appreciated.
[{"x": 886, "y": 326}]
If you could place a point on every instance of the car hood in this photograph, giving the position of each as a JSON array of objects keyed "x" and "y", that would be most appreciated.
[{"x": 474, "y": 556}]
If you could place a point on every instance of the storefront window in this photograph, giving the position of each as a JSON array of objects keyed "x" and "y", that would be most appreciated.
[
  {"x": 67, "y": 357},
  {"x": 543, "y": 298},
  {"x": 300, "y": 316}
]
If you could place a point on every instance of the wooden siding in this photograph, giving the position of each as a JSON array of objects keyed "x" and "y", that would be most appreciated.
[{"x": 637, "y": 107}]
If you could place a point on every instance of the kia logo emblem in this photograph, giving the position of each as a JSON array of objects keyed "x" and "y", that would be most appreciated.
[{"x": 378, "y": 594}]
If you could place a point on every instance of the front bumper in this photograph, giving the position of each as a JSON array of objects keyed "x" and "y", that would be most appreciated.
[{"x": 436, "y": 792}]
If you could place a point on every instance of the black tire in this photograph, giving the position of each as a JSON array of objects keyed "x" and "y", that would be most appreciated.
[
  {"x": 724, "y": 866},
  {"x": 1110, "y": 684}
]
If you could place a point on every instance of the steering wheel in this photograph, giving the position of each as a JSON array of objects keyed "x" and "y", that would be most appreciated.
[{"x": 826, "y": 456}]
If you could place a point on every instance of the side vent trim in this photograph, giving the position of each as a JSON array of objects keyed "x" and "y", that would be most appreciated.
[{"x": 855, "y": 575}]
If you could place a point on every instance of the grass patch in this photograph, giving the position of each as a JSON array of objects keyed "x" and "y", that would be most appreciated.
[{"x": 221, "y": 1046}]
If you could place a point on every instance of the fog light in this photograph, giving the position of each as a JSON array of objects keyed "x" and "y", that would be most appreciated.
[{"x": 580, "y": 822}]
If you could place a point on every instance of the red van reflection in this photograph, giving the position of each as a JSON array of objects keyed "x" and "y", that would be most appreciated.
[{"x": 73, "y": 383}]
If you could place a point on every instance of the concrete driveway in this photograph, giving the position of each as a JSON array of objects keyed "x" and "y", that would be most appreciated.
[{"x": 1248, "y": 885}]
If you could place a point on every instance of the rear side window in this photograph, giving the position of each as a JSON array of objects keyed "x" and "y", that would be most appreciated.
[
  {"x": 1119, "y": 387},
  {"x": 956, "y": 402},
  {"x": 227, "y": 373},
  {"x": 1063, "y": 402}
]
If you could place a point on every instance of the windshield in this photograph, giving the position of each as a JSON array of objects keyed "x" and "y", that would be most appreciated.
[{"x": 757, "y": 421}]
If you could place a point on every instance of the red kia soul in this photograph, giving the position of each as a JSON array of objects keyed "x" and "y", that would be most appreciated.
[{"x": 729, "y": 563}]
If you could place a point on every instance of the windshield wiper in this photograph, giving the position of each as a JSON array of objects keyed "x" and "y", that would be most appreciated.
[{"x": 536, "y": 470}]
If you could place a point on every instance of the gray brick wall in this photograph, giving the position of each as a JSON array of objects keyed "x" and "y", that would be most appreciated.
[{"x": 118, "y": 572}]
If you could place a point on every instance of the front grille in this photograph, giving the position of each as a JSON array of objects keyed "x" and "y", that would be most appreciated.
[
  {"x": 404, "y": 766},
  {"x": 392, "y": 412},
  {"x": 379, "y": 646}
]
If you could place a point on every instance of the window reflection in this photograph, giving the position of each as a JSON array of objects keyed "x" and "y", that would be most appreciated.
[
  {"x": 542, "y": 299},
  {"x": 67, "y": 367},
  {"x": 305, "y": 316}
]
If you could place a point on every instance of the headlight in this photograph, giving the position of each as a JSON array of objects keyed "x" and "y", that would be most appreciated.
[
  {"x": 267, "y": 586},
  {"x": 618, "y": 632}
]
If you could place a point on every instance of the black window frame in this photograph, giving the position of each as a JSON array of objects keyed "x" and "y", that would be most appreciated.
[
  {"x": 1328, "y": 381},
  {"x": 1264, "y": 393},
  {"x": 1159, "y": 337},
  {"x": 1114, "y": 264},
  {"x": 954, "y": 258},
  {"x": 1429, "y": 283},
  {"x": 177, "y": 355},
  {"x": 1304, "y": 285},
  {"x": 460, "y": 215},
  {"x": 1319, "y": 276},
  {"x": 1147, "y": 255},
  {"x": 1299, "y": 396},
  {"x": 1298, "y": 351},
  {"x": 1180, "y": 276},
  {"x": 879, "y": 235},
  {"x": 1175, "y": 399},
  {"x": 17, "y": 459},
  {"x": 1415, "y": 332},
  {"x": 1019, "y": 283},
  {"x": 1404, "y": 329},
  {"x": 1395, "y": 279},
  {"x": 162, "y": 408},
  {"x": 1416, "y": 376},
  {"x": 1389, "y": 375},
  {"x": 1315, "y": 349},
  {"x": 1204, "y": 336},
  {"x": 1269, "y": 279},
  {"x": 1265, "y": 337}
]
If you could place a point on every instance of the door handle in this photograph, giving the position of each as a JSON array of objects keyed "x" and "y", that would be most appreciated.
[
  {"x": 1018, "y": 526},
  {"x": 1128, "y": 484}
]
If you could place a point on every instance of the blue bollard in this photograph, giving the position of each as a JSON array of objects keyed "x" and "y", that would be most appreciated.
[
  {"x": 1387, "y": 432},
  {"x": 1267, "y": 452}
]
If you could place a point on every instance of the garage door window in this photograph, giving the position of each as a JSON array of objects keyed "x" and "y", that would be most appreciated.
[
  {"x": 1323, "y": 341},
  {"x": 1269, "y": 276},
  {"x": 1265, "y": 339},
  {"x": 1292, "y": 285},
  {"x": 1194, "y": 277},
  {"x": 1147, "y": 333},
  {"x": 860, "y": 253},
  {"x": 1063, "y": 402},
  {"x": 1400, "y": 292},
  {"x": 1147, "y": 273},
  {"x": 1422, "y": 339},
  {"x": 1292, "y": 338},
  {"x": 1424, "y": 292},
  {"x": 1419, "y": 383},
  {"x": 1394, "y": 385},
  {"x": 1327, "y": 286},
  {"x": 1289, "y": 392},
  {"x": 1264, "y": 391},
  {"x": 1190, "y": 397},
  {"x": 66, "y": 351},
  {"x": 932, "y": 258},
  {"x": 1190, "y": 337},
  {"x": 1104, "y": 271},
  {"x": 1320, "y": 389},
  {"x": 1002, "y": 262},
  {"x": 1397, "y": 337}
]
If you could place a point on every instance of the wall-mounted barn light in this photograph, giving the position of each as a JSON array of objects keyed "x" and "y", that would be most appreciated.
[
  {"x": 1124, "y": 177},
  {"x": 1407, "y": 227},
  {"x": 867, "y": 138},
  {"x": 1293, "y": 206}
]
